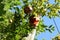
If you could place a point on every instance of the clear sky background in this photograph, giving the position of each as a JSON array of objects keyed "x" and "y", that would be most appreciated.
[{"x": 47, "y": 35}]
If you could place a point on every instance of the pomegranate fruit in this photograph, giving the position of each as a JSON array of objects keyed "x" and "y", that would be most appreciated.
[
  {"x": 28, "y": 9},
  {"x": 34, "y": 21}
]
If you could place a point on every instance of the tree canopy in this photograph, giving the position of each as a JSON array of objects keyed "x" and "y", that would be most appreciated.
[{"x": 15, "y": 22}]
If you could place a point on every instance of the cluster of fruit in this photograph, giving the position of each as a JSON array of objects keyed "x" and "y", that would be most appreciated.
[{"x": 33, "y": 20}]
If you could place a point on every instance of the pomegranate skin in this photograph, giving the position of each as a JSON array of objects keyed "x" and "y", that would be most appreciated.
[
  {"x": 28, "y": 9},
  {"x": 34, "y": 21}
]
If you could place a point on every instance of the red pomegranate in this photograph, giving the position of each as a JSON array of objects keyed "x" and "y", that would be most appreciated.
[
  {"x": 28, "y": 9},
  {"x": 34, "y": 21}
]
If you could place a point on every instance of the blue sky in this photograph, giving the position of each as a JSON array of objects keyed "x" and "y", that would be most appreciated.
[{"x": 47, "y": 35}]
